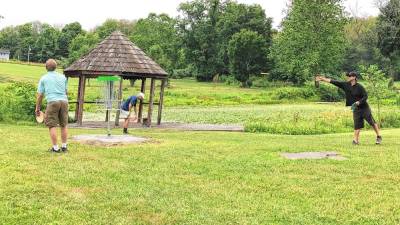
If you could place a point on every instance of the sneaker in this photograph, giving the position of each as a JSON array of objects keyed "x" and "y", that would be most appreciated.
[
  {"x": 125, "y": 132},
  {"x": 54, "y": 151},
  {"x": 64, "y": 149},
  {"x": 355, "y": 142},
  {"x": 378, "y": 140}
]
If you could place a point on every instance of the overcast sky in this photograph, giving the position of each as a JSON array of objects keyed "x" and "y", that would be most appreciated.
[{"x": 91, "y": 13}]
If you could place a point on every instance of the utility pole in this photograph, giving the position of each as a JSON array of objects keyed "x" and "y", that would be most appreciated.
[{"x": 29, "y": 53}]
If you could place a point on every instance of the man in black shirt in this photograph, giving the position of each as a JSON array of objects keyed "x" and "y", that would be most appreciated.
[{"x": 356, "y": 97}]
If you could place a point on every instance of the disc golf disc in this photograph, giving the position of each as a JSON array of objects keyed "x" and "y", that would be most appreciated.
[{"x": 40, "y": 117}]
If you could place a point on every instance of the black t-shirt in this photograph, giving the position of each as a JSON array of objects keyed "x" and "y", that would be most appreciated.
[{"x": 353, "y": 93}]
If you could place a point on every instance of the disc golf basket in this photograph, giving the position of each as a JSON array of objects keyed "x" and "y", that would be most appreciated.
[{"x": 109, "y": 101}]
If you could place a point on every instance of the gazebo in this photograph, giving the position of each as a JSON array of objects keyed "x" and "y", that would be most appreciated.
[{"x": 118, "y": 56}]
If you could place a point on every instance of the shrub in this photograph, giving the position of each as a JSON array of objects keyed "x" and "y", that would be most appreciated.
[
  {"x": 182, "y": 73},
  {"x": 329, "y": 93},
  {"x": 295, "y": 93},
  {"x": 17, "y": 102}
]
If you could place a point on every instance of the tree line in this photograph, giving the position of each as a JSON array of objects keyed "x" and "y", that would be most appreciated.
[{"x": 222, "y": 38}]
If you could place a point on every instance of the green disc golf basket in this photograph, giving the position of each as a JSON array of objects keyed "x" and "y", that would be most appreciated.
[{"x": 110, "y": 102}]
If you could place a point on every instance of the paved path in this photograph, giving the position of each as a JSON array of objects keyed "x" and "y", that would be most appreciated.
[{"x": 177, "y": 126}]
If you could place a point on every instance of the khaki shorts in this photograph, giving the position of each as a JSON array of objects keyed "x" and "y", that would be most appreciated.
[
  {"x": 56, "y": 114},
  {"x": 125, "y": 115}
]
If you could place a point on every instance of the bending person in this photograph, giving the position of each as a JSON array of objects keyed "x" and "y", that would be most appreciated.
[
  {"x": 126, "y": 110},
  {"x": 356, "y": 97}
]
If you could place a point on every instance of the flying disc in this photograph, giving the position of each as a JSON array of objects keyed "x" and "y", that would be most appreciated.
[{"x": 40, "y": 118}]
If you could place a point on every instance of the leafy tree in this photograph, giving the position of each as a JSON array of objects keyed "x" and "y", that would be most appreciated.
[
  {"x": 46, "y": 45},
  {"x": 81, "y": 45},
  {"x": 197, "y": 27},
  {"x": 388, "y": 30},
  {"x": 111, "y": 25},
  {"x": 235, "y": 18},
  {"x": 156, "y": 35},
  {"x": 27, "y": 37},
  {"x": 9, "y": 40},
  {"x": 312, "y": 40},
  {"x": 377, "y": 84},
  {"x": 248, "y": 52},
  {"x": 362, "y": 42},
  {"x": 68, "y": 33}
]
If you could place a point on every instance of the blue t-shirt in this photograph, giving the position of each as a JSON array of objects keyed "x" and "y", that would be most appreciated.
[
  {"x": 132, "y": 100},
  {"x": 54, "y": 86}
]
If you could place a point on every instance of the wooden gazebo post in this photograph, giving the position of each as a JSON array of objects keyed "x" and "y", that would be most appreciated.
[
  {"x": 80, "y": 100},
  {"x": 151, "y": 101},
  {"x": 161, "y": 101},
  {"x": 119, "y": 101},
  {"x": 143, "y": 90}
]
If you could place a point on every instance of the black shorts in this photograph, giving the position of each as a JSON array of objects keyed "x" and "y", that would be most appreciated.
[{"x": 361, "y": 114}]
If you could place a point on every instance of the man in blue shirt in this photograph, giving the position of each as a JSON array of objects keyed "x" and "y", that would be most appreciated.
[
  {"x": 126, "y": 110},
  {"x": 53, "y": 86}
]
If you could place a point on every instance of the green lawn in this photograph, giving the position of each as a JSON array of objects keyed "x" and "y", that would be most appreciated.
[
  {"x": 203, "y": 177},
  {"x": 198, "y": 178}
]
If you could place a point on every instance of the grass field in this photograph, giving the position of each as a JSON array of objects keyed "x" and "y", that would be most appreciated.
[
  {"x": 198, "y": 178},
  {"x": 204, "y": 177}
]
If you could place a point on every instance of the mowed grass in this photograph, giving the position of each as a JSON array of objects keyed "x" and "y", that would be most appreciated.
[{"x": 198, "y": 178}]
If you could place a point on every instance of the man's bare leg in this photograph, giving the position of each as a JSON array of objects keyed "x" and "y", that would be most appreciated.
[
  {"x": 64, "y": 134},
  {"x": 377, "y": 130},
  {"x": 357, "y": 135},
  {"x": 53, "y": 135},
  {"x": 126, "y": 123}
]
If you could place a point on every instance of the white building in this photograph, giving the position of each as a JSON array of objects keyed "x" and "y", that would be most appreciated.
[{"x": 4, "y": 54}]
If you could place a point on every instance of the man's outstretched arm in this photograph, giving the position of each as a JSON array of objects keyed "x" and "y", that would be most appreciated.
[
  {"x": 323, "y": 79},
  {"x": 338, "y": 84}
]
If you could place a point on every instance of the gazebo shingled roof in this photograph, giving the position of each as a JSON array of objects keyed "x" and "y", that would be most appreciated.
[{"x": 116, "y": 55}]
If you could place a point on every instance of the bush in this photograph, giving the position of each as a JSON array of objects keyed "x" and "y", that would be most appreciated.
[
  {"x": 330, "y": 93},
  {"x": 295, "y": 93},
  {"x": 264, "y": 81},
  {"x": 229, "y": 80},
  {"x": 17, "y": 102},
  {"x": 182, "y": 73}
]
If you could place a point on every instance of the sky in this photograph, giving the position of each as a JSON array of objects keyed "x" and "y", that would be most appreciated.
[{"x": 91, "y": 13}]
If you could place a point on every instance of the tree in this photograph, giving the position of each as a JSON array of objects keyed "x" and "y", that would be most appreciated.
[
  {"x": 377, "y": 84},
  {"x": 111, "y": 25},
  {"x": 361, "y": 46},
  {"x": 68, "y": 33},
  {"x": 81, "y": 45},
  {"x": 198, "y": 31},
  {"x": 247, "y": 52},
  {"x": 27, "y": 35},
  {"x": 156, "y": 35},
  {"x": 9, "y": 39},
  {"x": 388, "y": 30},
  {"x": 46, "y": 46},
  {"x": 235, "y": 18},
  {"x": 312, "y": 40}
]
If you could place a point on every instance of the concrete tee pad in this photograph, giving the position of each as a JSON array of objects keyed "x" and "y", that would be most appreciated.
[
  {"x": 108, "y": 140},
  {"x": 313, "y": 155}
]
